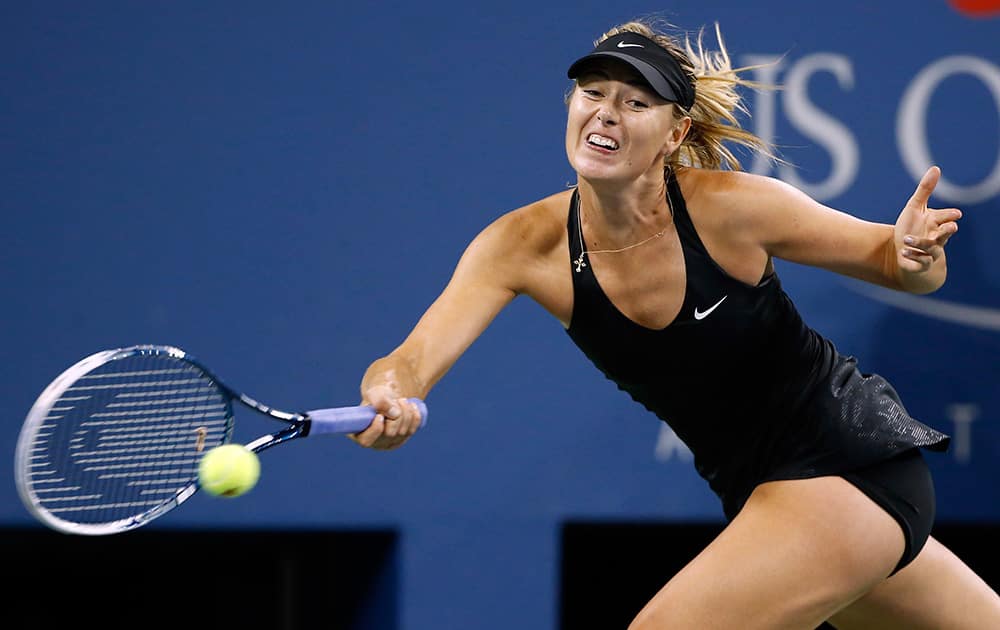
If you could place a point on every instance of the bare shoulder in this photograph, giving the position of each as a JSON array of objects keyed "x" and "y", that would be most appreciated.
[
  {"x": 537, "y": 227},
  {"x": 732, "y": 190},
  {"x": 523, "y": 244},
  {"x": 734, "y": 200}
]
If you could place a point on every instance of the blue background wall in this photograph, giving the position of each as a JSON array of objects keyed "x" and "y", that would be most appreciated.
[{"x": 283, "y": 191}]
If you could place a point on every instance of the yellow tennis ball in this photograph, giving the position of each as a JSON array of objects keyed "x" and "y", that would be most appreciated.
[{"x": 228, "y": 470}]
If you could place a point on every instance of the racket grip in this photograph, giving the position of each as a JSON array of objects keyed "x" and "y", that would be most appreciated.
[{"x": 351, "y": 419}]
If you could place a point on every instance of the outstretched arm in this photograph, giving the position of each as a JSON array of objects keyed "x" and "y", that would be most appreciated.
[
  {"x": 480, "y": 287},
  {"x": 908, "y": 256}
]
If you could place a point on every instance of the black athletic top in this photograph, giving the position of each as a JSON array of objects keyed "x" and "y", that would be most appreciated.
[{"x": 754, "y": 393}]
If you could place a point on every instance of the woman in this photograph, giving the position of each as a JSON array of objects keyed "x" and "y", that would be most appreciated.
[{"x": 659, "y": 265}]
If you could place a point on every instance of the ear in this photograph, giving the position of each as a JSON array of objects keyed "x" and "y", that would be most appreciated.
[
  {"x": 677, "y": 134},
  {"x": 680, "y": 130}
]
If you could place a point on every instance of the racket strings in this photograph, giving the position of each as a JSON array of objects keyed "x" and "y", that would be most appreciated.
[{"x": 126, "y": 438}]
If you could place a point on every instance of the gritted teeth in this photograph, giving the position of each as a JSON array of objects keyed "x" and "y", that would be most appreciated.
[{"x": 602, "y": 141}]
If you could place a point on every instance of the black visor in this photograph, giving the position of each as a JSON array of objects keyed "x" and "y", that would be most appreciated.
[{"x": 658, "y": 67}]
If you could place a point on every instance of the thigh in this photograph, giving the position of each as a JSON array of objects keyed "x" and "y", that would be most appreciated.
[
  {"x": 936, "y": 590},
  {"x": 797, "y": 552}
]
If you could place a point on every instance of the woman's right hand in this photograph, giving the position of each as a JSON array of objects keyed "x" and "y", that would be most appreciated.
[{"x": 396, "y": 420}]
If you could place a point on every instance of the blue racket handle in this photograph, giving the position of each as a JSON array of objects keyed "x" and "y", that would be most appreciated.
[{"x": 351, "y": 419}]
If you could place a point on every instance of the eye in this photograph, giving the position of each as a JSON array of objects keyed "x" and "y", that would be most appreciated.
[
  {"x": 592, "y": 93},
  {"x": 637, "y": 104}
]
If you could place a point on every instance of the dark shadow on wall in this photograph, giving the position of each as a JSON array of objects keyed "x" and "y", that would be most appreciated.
[{"x": 282, "y": 580}]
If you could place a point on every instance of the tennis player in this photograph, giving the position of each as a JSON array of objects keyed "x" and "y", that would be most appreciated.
[{"x": 659, "y": 263}]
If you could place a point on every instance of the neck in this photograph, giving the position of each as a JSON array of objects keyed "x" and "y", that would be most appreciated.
[{"x": 615, "y": 216}]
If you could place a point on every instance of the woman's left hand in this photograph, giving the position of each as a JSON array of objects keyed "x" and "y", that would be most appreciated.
[{"x": 921, "y": 232}]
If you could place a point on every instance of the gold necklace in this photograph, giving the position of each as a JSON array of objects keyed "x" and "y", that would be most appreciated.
[{"x": 583, "y": 245}]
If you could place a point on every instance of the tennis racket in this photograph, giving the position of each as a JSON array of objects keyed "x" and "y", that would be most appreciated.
[{"x": 115, "y": 441}]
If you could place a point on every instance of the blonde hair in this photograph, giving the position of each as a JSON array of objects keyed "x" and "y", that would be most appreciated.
[{"x": 714, "y": 113}]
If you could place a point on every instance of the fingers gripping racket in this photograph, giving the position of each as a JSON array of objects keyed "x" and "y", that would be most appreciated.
[{"x": 115, "y": 441}]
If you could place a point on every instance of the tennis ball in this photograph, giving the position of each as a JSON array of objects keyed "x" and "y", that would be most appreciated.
[{"x": 228, "y": 470}]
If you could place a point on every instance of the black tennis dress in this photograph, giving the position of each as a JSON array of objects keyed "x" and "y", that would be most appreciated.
[{"x": 754, "y": 393}]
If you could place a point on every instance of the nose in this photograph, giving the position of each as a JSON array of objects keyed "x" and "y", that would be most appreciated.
[{"x": 606, "y": 116}]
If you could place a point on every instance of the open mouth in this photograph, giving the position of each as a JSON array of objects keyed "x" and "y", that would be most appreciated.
[{"x": 597, "y": 140}]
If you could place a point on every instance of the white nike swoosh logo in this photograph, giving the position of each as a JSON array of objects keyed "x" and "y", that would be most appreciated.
[
  {"x": 703, "y": 314},
  {"x": 953, "y": 312},
  {"x": 624, "y": 45}
]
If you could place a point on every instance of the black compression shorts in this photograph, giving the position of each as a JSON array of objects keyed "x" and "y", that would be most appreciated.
[{"x": 902, "y": 486}]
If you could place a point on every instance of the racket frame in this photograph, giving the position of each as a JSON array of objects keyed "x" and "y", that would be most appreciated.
[{"x": 298, "y": 427}]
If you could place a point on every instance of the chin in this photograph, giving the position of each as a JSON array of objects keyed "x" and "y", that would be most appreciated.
[
  {"x": 604, "y": 175},
  {"x": 591, "y": 171},
  {"x": 609, "y": 169}
]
